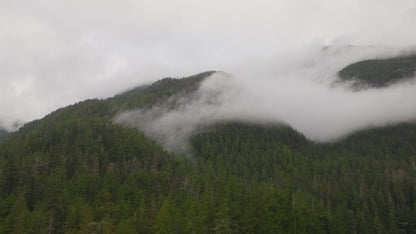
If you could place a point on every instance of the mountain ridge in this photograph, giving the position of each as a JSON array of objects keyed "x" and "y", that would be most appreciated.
[
  {"x": 78, "y": 168},
  {"x": 379, "y": 73}
]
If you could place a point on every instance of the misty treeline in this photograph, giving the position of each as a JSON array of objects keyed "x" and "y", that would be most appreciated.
[
  {"x": 380, "y": 72},
  {"x": 75, "y": 171}
]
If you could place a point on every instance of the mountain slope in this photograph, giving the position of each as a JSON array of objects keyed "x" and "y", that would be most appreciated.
[
  {"x": 157, "y": 93},
  {"x": 3, "y": 135},
  {"x": 87, "y": 174},
  {"x": 75, "y": 165},
  {"x": 361, "y": 184},
  {"x": 380, "y": 72}
]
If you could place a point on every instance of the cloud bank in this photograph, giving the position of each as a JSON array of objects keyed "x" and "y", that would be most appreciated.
[
  {"x": 303, "y": 94},
  {"x": 55, "y": 53}
]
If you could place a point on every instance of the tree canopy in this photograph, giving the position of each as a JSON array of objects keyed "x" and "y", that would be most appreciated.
[
  {"x": 75, "y": 171},
  {"x": 380, "y": 72}
]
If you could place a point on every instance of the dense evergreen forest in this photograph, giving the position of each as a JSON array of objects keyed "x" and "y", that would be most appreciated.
[
  {"x": 75, "y": 171},
  {"x": 380, "y": 72},
  {"x": 3, "y": 135}
]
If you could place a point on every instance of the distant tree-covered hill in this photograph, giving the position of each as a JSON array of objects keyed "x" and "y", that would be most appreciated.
[
  {"x": 75, "y": 171},
  {"x": 380, "y": 72}
]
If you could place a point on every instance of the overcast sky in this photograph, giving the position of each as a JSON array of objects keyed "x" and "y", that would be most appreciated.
[{"x": 55, "y": 53}]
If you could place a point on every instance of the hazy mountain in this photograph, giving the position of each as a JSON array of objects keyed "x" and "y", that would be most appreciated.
[
  {"x": 380, "y": 72},
  {"x": 77, "y": 171}
]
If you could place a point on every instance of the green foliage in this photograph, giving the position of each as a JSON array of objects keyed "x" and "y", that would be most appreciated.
[
  {"x": 158, "y": 92},
  {"x": 380, "y": 72},
  {"x": 3, "y": 135},
  {"x": 77, "y": 172}
]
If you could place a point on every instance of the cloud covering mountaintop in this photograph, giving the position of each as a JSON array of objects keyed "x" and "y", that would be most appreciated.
[
  {"x": 56, "y": 53},
  {"x": 309, "y": 98}
]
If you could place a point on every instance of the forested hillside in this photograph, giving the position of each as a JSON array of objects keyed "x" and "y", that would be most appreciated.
[
  {"x": 75, "y": 171},
  {"x": 380, "y": 72},
  {"x": 3, "y": 135}
]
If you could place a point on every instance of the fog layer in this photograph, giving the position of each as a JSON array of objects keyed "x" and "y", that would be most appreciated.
[
  {"x": 300, "y": 91},
  {"x": 55, "y": 53}
]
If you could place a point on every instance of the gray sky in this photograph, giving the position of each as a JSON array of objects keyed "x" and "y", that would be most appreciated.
[{"x": 55, "y": 53}]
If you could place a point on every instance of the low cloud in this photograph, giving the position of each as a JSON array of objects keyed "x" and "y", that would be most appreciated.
[
  {"x": 302, "y": 93},
  {"x": 56, "y": 53}
]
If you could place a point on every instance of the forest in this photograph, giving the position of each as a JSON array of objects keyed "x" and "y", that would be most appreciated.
[
  {"x": 378, "y": 73},
  {"x": 3, "y": 135},
  {"x": 76, "y": 171}
]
